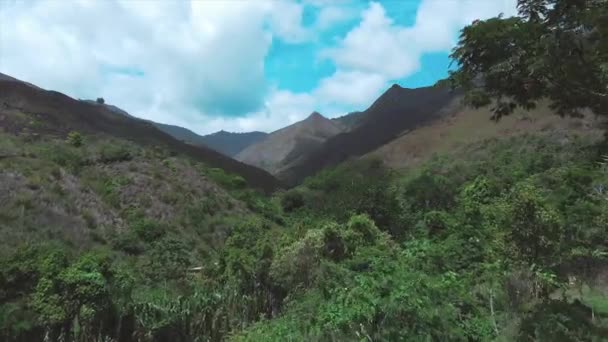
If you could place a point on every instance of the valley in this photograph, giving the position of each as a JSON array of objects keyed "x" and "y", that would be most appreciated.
[{"x": 470, "y": 208}]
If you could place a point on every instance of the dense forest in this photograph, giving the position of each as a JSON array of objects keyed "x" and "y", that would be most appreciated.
[{"x": 505, "y": 239}]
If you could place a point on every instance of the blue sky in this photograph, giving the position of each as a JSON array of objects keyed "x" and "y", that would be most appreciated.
[{"x": 236, "y": 65}]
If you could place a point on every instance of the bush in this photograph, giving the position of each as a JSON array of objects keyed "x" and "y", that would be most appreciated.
[
  {"x": 226, "y": 180},
  {"x": 147, "y": 229},
  {"x": 112, "y": 153},
  {"x": 66, "y": 156},
  {"x": 75, "y": 139},
  {"x": 100, "y": 100},
  {"x": 292, "y": 200}
]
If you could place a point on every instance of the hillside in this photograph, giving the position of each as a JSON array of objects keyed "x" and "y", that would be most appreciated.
[
  {"x": 30, "y": 110},
  {"x": 289, "y": 143},
  {"x": 465, "y": 126},
  {"x": 350, "y": 120},
  {"x": 397, "y": 110}
]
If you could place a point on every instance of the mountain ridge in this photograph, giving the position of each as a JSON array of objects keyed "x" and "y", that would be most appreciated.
[
  {"x": 227, "y": 143},
  {"x": 397, "y": 110},
  {"x": 288, "y": 143}
]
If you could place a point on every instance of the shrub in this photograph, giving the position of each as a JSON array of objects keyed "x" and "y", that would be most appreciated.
[
  {"x": 75, "y": 139},
  {"x": 227, "y": 180},
  {"x": 67, "y": 157},
  {"x": 147, "y": 229},
  {"x": 112, "y": 153},
  {"x": 292, "y": 200},
  {"x": 128, "y": 242}
]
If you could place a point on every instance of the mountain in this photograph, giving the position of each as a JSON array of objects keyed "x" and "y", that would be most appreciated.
[
  {"x": 227, "y": 143},
  {"x": 26, "y": 109},
  {"x": 394, "y": 112},
  {"x": 289, "y": 143},
  {"x": 230, "y": 143}
]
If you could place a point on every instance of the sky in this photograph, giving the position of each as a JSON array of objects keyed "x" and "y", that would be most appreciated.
[{"x": 234, "y": 65}]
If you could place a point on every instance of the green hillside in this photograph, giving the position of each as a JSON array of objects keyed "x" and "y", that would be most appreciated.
[{"x": 110, "y": 240}]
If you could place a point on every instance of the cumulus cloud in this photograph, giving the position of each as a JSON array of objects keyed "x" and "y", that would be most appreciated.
[
  {"x": 361, "y": 88},
  {"x": 333, "y": 14},
  {"x": 377, "y": 45}
]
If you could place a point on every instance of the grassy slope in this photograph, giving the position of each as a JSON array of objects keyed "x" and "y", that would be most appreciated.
[{"x": 467, "y": 126}]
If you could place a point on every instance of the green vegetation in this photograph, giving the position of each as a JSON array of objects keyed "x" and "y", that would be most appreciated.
[
  {"x": 482, "y": 244},
  {"x": 75, "y": 139},
  {"x": 556, "y": 49}
]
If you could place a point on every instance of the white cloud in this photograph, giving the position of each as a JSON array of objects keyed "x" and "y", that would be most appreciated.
[{"x": 330, "y": 15}]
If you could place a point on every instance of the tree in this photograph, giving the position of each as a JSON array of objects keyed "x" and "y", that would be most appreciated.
[
  {"x": 555, "y": 49},
  {"x": 100, "y": 100},
  {"x": 536, "y": 228}
]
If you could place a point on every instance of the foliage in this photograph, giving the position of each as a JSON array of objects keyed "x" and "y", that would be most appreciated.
[
  {"x": 479, "y": 245},
  {"x": 75, "y": 139},
  {"x": 114, "y": 152},
  {"x": 227, "y": 180},
  {"x": 555, "y": 49},
  {"x": 292, "y": 200},
  {"x": 363, "y": 186}
]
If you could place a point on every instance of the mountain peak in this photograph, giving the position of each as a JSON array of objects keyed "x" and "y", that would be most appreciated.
[{"x": 315, "y": 115}]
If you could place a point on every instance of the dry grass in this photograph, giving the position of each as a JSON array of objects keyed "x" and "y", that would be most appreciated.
[{"x": 466, "y": 126}]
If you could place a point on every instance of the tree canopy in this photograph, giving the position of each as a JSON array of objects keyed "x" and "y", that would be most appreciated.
[{"x": 554, "y": 49}]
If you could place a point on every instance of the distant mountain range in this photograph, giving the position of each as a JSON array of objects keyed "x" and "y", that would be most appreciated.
[
  {"x": 224, "y": 142},
  {"x": 230, "y": 143}
]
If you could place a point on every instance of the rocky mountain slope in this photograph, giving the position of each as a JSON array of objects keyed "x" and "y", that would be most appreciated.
[{"x": 286, "y": 145}]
